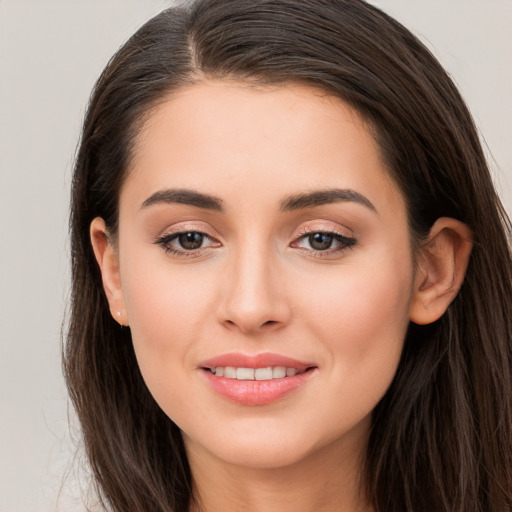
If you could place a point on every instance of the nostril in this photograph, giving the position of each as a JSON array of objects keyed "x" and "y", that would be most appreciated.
[{"x": 248, "y": 327}]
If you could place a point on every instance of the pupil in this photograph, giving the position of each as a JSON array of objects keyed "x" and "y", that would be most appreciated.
[
  {"x": 320, "y": 241},
  {"x": 191, "y": 240}
]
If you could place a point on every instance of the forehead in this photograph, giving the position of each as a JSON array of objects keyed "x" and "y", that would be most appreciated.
[
  {"x": 245, "y": 112},
  {"x": 221, "y": 137}
]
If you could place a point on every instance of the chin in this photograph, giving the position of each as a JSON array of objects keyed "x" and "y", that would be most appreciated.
[
  {"x": 265, "y": 445},
  {"x": 262, "y": 455}
]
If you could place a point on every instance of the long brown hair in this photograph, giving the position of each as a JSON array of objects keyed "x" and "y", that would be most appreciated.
[{"x": 442, "y": 435}]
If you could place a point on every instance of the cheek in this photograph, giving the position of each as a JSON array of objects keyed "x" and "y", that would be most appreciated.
[
  {"x": 160, "y": 295},
  {"x": 166, "y": 308},
  {"x": 362, "y": 315},
  {"x": 157, "y": 308},
  {"x": 360, "y": 320}
]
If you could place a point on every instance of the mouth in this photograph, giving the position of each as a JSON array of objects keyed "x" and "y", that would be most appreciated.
[
  {"x": 266, "y": 373},
  {"x": 256, "y": 379}
]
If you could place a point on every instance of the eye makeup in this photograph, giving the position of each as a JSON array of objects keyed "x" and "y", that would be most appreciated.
[
  {"x": 322, "y": 243},
  {"x": 186, "y": 243},
  {"x": 313, "y": 242}
]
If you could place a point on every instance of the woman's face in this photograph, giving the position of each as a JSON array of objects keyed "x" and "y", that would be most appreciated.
[{"x": 260, "y": 229}]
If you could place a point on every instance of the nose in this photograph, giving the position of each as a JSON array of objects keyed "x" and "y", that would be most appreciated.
[{"x": 254, "y": 297}]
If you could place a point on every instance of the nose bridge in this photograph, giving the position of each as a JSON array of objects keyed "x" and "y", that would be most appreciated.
[{"x": 253, "y": 298}]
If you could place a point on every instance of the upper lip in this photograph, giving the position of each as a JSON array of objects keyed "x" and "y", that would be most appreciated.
[{"x": 263, "y": 360}]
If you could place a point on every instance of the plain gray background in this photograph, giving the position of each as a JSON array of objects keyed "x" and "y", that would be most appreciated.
[{"x": 51, "y": 52}]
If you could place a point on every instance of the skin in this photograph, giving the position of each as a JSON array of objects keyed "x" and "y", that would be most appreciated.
[{"x": 257, "y": 285}]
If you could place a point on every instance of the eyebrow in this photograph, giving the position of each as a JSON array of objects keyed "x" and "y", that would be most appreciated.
[
  {"x": 321, "y": 197},
  {"x": 291, "y": 203},
  {"x": 184, "y": 196}
]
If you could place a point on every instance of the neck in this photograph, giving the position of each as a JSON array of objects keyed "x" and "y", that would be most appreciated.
[{"x": 329, "y": 479}]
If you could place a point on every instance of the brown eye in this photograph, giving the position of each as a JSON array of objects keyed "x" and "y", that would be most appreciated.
[
  {"x": 187, "y": 243},
  {"x": 323, "y": 244},
  {"x": 191, "y": 240},
  {"x": 320, "y": 241}
]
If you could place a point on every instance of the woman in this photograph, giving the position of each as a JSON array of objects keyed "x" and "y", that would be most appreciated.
[{"x": 292, "y": 286}]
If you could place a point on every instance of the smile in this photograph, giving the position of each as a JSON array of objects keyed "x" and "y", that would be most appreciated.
[
  {"x": 268, "y": 373},
  {"x": 259, "y": 379}
]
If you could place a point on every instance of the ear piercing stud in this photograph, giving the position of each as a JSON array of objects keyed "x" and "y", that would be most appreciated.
[{"x": 117, "y": 316}]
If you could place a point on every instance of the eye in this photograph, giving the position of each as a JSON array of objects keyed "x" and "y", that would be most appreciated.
[
  {"x": 323, "y": 243},
  {"x": 191, "y": 240},
  {"x": 320, "y": 241},
  {"x": 186, "y": 243}
]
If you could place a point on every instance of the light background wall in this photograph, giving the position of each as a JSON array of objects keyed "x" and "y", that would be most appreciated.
[{"x": 50, "y": 55}]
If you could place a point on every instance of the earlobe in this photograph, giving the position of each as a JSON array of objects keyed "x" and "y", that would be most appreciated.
[
  {"x": 441, "y": 268},
  {"x": 107, "y": 258}
]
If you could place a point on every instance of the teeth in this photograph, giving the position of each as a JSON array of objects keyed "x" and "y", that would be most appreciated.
[
  {"x": 245, "y": 373},
  {"x": 269, "y": 373},
  {"x": 229, "y": 372},
  {"x": 278, "y": 372},
  {"x": 263, "y": 373}
]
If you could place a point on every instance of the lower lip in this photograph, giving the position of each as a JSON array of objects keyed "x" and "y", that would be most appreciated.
[{"x": 256, "y": 392}]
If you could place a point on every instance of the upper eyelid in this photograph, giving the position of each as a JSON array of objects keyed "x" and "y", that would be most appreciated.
[
  {"x": 172, "y": 235},
  {"x": 167, "y": 237},
  {"x": 166, "y": 242},
  {"x": 335, "y": 234},
  {"x": 322, "y": 228},
  {"x": 346, "y": 243},
  {"x": 319, "y": 226},
  {"x": 186, "y": 227},
  {"x": 316, "y": 226}
]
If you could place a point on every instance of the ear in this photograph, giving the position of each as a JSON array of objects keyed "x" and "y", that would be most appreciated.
[
  {"x": 441, "y": 268},
  {"x": 107, "y": 258}
]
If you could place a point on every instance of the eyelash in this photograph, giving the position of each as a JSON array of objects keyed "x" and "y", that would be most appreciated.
[
  {"x": 344, "y": 242},
  {"x": 165, "y": 242}
]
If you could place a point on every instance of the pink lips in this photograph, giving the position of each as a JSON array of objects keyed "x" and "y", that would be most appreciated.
[{"x": 254, "y": 392}]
